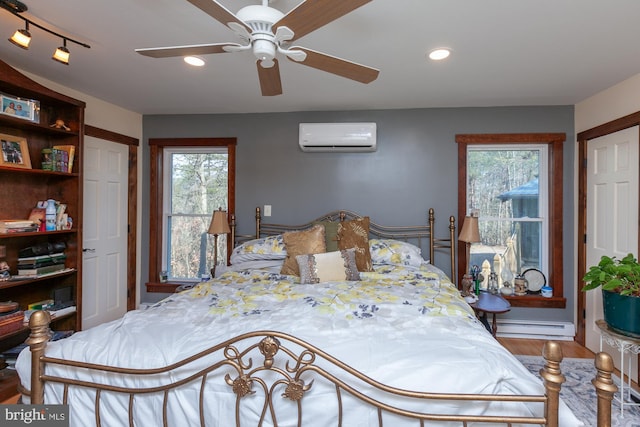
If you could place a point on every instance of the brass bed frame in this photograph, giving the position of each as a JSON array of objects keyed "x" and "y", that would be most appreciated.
[
  {"x": 276, "y": 367},
  {"x": 422, "y": 236}
]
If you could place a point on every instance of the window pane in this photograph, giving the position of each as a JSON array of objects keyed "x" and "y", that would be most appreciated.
[
  {"x": 191, "y": 253},
  {"x": 197, "y": 180},
  {"x": 503, "y": 188}
]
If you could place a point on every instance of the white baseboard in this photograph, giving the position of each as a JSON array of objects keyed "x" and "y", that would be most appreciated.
[{"x": 534, "y": 329}]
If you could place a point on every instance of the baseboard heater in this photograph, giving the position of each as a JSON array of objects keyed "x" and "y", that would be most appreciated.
[{"x": 561, "y": 331}]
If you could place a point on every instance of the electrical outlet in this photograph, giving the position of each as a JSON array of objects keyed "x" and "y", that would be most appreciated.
[{"x": 267, "y": 210}]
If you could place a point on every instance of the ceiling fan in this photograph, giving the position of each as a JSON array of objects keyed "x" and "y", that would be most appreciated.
[{"x": 267, "y": 31}]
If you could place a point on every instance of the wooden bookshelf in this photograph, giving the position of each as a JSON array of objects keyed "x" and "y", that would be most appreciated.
[{"x": 22, "y": 187}]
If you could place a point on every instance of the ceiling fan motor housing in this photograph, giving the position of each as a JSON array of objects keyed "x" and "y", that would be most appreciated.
[{"x": 261, "y": 20}]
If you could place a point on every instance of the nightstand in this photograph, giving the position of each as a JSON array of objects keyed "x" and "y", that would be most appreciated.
[{"x": 493, "y": 304}]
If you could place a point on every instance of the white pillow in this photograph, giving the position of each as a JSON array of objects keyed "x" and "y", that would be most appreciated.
[{"x": 328, "y": 267}]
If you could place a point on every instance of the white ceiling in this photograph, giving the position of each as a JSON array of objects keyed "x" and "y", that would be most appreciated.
[{"x": 505, "y": 52}]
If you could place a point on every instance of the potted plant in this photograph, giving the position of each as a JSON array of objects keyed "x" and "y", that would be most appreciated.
[{"x": 620, "y": 283}]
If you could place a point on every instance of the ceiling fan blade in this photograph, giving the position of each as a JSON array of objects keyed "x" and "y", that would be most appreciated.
[
  {"x": 313, "y": 14},
  {"x": 337, "y": 66},
  {"x": 270, "y": 83},
  {"x": 197, "y": 49},
  {"x": 218, "y": 12}
]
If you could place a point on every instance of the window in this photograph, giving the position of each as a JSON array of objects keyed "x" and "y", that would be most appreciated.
[
  {"x": 513, "y": 183},
  {"x": 190, "y": 178},
  {"x": 195, "y": 181}
]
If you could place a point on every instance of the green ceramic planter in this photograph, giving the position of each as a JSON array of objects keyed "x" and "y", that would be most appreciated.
[{"x": 622, "y": 313}]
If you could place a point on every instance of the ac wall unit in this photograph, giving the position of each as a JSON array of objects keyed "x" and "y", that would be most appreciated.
[{"x": 338, "y": 137}]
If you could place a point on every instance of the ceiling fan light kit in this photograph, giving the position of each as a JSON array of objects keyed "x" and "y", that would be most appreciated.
[
  {"x": 22, "y": 38},
  {"x": 267, "y": 32}
]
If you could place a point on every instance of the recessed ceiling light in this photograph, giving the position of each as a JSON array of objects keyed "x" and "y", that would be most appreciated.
[
  {"x": 439, "y": 54},
  {"x": 196, "y": 61}
]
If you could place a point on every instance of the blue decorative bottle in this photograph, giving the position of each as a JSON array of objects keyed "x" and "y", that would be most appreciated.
[{"x": 50, "y": 215}]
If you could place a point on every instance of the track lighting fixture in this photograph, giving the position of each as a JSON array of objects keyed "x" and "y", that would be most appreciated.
[{"x": 22, "y": 38}]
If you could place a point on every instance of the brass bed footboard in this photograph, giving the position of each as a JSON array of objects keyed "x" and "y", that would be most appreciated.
[{"x": 278, "y": 367}]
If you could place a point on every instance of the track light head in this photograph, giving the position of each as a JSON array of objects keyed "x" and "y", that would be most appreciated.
[
  {"x": 21, "y": 38},
  {"x": 62, "y": 54}
]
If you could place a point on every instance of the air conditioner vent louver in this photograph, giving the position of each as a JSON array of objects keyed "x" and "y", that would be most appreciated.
[{"x": 337, "y": 137}]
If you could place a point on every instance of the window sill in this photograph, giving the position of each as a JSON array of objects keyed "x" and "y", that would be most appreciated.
[
  {"x": 165, "y": 288},
  {"x": 537, "y": 301}
]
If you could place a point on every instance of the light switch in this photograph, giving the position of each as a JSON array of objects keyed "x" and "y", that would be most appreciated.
[{"x": 267, "y": 210}]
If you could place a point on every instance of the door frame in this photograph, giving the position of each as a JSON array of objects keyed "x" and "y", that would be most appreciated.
[
  {"x": 132, "y": 205},
  {"x": 583, "y": 139}
]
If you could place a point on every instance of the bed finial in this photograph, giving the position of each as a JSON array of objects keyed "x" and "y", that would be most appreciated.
[
  {"x": 605, "y": 388},
  {"x": 37, "y": 341},
  {"x": 553, "y": 379},
  {"x": 258, "y": 219}
]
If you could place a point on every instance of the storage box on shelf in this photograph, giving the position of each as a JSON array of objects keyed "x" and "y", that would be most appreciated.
[{"x": 59, "y": 122}]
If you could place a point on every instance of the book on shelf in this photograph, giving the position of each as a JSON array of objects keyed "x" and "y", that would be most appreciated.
[
  {"x": 17, "y": 225},
  {"x": 37, "y": 216},
  {"x": 19, "y": 277},
  {"x": 34, "y": 258},
  {"x": 68, "y": 155},
  {"x": 40, "y": 270},
  {"x": 44, "y": 261}
]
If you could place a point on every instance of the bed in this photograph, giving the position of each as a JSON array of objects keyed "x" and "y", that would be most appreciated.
[{"x": 368, "y": 334}]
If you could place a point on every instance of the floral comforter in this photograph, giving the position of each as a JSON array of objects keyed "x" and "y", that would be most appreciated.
[{"x": 404, "y": 326}]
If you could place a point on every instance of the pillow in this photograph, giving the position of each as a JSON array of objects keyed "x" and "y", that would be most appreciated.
[
  {"x": 395, "y": 252},
  {"x": 266, "y": 248},
  {"x": 310, "y": 241},
  {"x": 328, "y": 267},
  {"x": 355, "y": 234},
  {"x": 330, "y": 234}
]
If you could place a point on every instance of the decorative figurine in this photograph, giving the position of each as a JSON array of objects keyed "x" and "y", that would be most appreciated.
[
  {"x": 467, "y": 285},
  {"x": 4, "y": 271},
  {"x": 59, "y": 124}
]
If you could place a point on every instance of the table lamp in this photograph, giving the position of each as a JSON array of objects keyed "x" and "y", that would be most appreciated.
[
  {"x": 469, "y": 234},
  {"x": 219, "y": 225}
]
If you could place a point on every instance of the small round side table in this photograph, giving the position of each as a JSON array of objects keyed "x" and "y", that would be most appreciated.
[
  {"x": 624, "y": 344},
  {"x": 490, "y": 303}
]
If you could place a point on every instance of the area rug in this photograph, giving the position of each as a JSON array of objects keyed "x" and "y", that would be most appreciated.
[{"x": 579, "y": 394}]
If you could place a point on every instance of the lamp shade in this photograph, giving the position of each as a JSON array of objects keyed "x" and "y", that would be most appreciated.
[
  {"x": 61, "y": 55},
  {"x": 470, "y": 232},
  {"x": 219, "y": 223},
  {"x": 21, "y": 38}
]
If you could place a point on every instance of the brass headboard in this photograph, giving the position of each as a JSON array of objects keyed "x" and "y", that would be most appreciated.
[{"x": 416, "y": 234}]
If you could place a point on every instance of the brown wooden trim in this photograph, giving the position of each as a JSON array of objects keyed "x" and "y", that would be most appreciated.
[
  {"x": 156, "y": 146},
  {"x": 555, "y": 142},
  {"x": 132, "y": 203},
  {"x": 155, "y": 213},
  {"x": 510, "y": 138},
  {"x": 192, "y": 142},
  {"x": 610, "y": 127},
  {"x": 165, "y": 288},
  {"x": 536, "y": 301},
  {"x": 108, "y": 135}
]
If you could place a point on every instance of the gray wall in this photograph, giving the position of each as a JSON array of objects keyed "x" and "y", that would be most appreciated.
[{"x": 414, "y": 168}]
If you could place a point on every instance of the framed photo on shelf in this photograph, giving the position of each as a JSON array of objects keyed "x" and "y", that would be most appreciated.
[
  {"x": 15, "y": 152},
  {"x": 26, "y": 109}
]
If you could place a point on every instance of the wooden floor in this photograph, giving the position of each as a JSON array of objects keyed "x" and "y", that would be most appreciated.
[{"x": 534, "y": 347}]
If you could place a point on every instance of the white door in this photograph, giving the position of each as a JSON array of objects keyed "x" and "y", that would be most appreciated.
[
  {"x": 104, "y": 264},
  {"x": 612, "y": 215}
]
